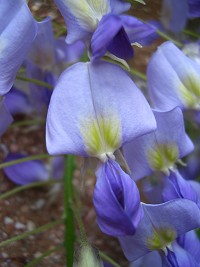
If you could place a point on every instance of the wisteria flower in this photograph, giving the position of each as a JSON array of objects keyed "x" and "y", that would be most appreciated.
[
  {"x": 95, "y": 108},
  {"x": 159, "y": 228},
  {"x": 173, "y": 79},
  {"x": 100, "y": 23},
  {"x": 25, "y": 172},
  {"x": 161, "y": 149},
  {"x": 17, "y": 32},
  {"x": 116, "y": 201}
]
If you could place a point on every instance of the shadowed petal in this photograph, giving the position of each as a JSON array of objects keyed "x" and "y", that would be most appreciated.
[
  {"x": 18, "y": 102},
  {"x": 116, "y": 201},
  {"x": 174, "y": 14},
  {"x": 26, "y": 172}
]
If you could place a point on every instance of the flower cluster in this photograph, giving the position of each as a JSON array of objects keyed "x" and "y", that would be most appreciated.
[{"x": 97, "y": 111}]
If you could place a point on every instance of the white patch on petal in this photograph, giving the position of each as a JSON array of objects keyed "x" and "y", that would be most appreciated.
[{"x": 88, "y": 12}]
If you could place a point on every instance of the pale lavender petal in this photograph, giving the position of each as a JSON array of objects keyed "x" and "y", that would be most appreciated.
[
  {"x": 90, "y": 87},
  {"x": 116, "y": 201},
  {"x": 174, "y": 14},
  {"x": 18, "y": 102},
  {"x": 119, "y": 6},
  {"x": 74, "y": 30},
  {"x": 67, "y": 53},
  {"x": 170, "y": 129},
  {"x": 167, "y": 215},
  {"x": 17, "y": 32},
  {"x": 6, "y": 118},
  {"x": 151, "y": 259},
  {"x": 26, "y": 172},
  {"x": 171, "y": 76}
]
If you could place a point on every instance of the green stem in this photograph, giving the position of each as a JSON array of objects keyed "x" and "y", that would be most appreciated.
[
  {"x": 40, "y": 83},
  {"x": 17, "y": 161},
  {"x": 25, "y": 187},
  {"x": 193, "y": 34},
  {"x": 38, "y": 230},
  {"x": 108, "y": 259},
  {"x": 27, "y": 123},
  {"x": 44, "y": 255},
  {"x": 138, "y": 74},
  {"x": 68, "y": 210},
  {"x": 166, "y": 37}
]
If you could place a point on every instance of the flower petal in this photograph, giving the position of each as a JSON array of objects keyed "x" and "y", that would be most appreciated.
[
  {"x": 17, "y": 31},
  {"x": 83, "y": 127},
  {"x": 173, "y": 79},
  {"x": 26, "y": 172},
  {"x": 167, "y": 215},
  {"x": 170, "y": 130},
  {"x": 18, "y": 102},
  {"x": 116, "y": 200}
]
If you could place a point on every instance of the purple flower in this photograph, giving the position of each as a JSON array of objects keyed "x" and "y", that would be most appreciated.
[
  {"x": 95, "y": 108},
  {"x": 100, "y": 23},
  {"x": 173, "y": 79},
  {"x": 26, "y": 172},
  {"x": 161, "y": 149},
  {"x": 116, "y": 201},
  {"x": 159, "y": 227},
  {"x": 18, "y": 102},
  {"x": 191, "y": 243},
  {"x": 177, "y": 187},
  {"x": 17, "y": 32},
  {"x": 6, "y": 118}
]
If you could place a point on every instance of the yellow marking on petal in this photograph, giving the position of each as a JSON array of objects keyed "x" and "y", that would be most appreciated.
[
  {"x": 161, "y": 238},
  {"x": 88, "y": 13},
  {"x": 101, "y": 135},
  {"x": 162, "y": 157},
  {"x": 189, "y": 91}
]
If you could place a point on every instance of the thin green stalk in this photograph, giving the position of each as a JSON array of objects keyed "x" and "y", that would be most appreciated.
[
  {"x": 169, "y": 38},
  {"x": 38, "y": 230},
  {"x": 68, "y": 210},
  {"x": 193, "y": 34},
  {"x": 38, "y": 82},
  {"x": 19, "y": 189},
  {"x": 44, "y": 255},
  {"x": 27, "y": 123},
  {"x": 108, "y": 259},
  {"x": 17, "y": 161},
  {"x": 138, "y": 74}
]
